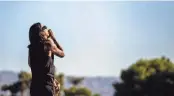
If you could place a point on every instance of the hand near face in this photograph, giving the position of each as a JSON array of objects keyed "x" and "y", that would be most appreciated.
[{"x": 51, "y": 33}]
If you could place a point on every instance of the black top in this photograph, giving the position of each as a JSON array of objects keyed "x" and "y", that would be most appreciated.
[{"x": 42, "y": 66}]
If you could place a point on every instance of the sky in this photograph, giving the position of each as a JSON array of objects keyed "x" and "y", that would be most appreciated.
[{"x": 99, "y": 38}]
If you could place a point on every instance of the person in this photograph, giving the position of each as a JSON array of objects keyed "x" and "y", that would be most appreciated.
[{"x": 42, "y": 48}]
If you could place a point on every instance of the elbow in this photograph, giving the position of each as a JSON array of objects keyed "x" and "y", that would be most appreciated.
[
  {"x": 62, "y": 55},
  {"x": 59, "y": 53}
]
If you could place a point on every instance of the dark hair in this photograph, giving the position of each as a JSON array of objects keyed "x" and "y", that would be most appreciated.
[
  {"x": 36, "y": 39},
  {"x": 34, "y": 32}
]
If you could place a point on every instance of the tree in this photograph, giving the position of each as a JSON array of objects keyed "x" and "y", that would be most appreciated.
[
  {"x": 145, "y": 77},
  {"x": 74, "y": 91},
  {"x": 75, "y": 80},
  {"x": 24, "y": 75},
  {"x": 12, "y": 88},
  {"x": 96, "y": 94},
  {"x": 19, "y": 86},
  {"x": 24, "y": 79},
  {"x": 161, "y": 84},
  {"x": 77, "y": 91}
]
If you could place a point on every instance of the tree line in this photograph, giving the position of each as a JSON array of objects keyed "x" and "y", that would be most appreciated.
[
  {"x": 25, "y": 79},
  {"x": 145, "y": 77}
]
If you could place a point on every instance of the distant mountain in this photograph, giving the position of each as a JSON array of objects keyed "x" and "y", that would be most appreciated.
[
  {"x": 101, "y": 85},
  {"x": 7, "y": 77}
]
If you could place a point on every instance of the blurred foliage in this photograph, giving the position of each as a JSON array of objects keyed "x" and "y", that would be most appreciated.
[
  {"x": 25, "y": 78},
  {"x": 147, "y": 77},
  {"x": 24, "y": 75},
  {"x": 75, "y": 80},
  {"x": 74, "y": 91},
  {"x": 96, "y": 94},
  {"x": 19, "y": 86}
]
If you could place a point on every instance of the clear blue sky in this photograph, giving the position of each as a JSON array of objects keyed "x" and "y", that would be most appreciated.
[{"x": 99, "y": 38}]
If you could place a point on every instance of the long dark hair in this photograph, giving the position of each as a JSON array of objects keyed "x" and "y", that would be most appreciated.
[
  {"x": 36, "y": 40},
  {"x": 34, "y": 31},
  {"x": 36, "y": 37}
]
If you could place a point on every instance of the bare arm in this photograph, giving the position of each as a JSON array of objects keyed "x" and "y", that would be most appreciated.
[
  {"x": 57, "y": 44},
  {"x": 55, "y": 50},
  {"x": 54, "y": 39}
]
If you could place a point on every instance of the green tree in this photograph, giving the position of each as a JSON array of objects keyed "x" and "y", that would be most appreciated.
[
  {"x": 77, "y": 91},
  {"x": 24, "y": 75},
  {"x": 24, "y": 78},
  {"x": 13, "y": 88},
  {"x": 96, "y": 94},
  {"x": 19, "y": 86},
  {"x": 74, "y": 91},
  {"x": 75, "y": 80},
  {"x": 161, "y": 84},
  {"x": 145, "y": 77}
]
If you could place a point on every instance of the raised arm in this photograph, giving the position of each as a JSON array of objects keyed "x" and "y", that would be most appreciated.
[
  {"x": 56, "y": 51},
  {"x": 57, "y": 44},
  {"x": 54, "y": 39}
]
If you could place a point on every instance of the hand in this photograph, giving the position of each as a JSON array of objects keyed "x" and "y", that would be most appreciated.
[
  {"x": 51, "y": 42},
  {"x": 51, "y": 33},
  {"x": 53, "y": 38}
]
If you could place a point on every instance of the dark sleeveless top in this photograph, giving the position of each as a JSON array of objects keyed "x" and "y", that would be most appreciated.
[{"x": 42, "y": 66}]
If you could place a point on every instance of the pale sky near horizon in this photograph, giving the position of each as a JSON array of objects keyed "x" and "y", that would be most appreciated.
[{"x": 99, "y": 38}]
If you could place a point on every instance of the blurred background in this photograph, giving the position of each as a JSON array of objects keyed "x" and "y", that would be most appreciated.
[{"x": 111, "y": 48}]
